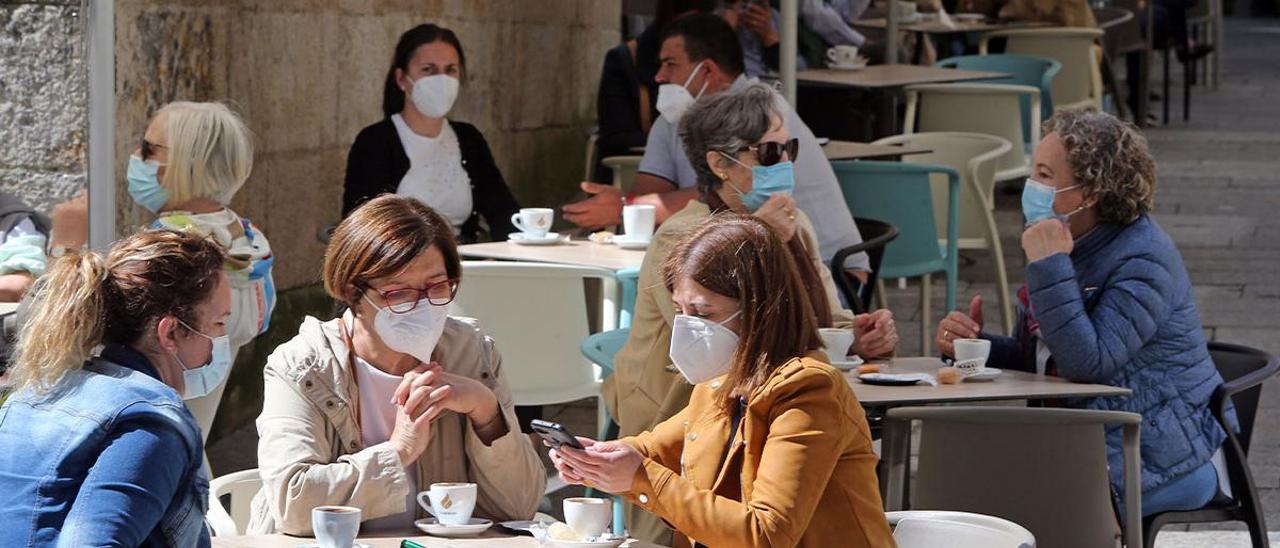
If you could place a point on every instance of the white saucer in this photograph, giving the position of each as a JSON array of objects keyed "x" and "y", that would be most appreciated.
[
  {"x": 627, "y": 243},
  {"x": 314, "y": 545},
  {"x": 987, "y": 374},
  {"x": 848, "y": 363},
  {"x": 861, "y": 64},
  {"x": 611, "y": 543},
  {"x": 969, "y": 17},
  {"x": 524, "y": 239},
  {"x": 431, "y": 527}
]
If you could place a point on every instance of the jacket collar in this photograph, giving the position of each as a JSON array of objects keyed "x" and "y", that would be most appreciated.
[
  {"x": 1097, "y": 239},
  {"x": 126, "y": 356}
]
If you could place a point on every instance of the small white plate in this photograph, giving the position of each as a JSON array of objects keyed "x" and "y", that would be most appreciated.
[
  {"x": 861, "y": 64},
  {"x": 627, "y": 243},
  {"x": 314, "y": 545},
  {"x": 987, "y": 374},
  {"x": 611, "y": 543},
  {"x": 521, "y": 238},
  {"x": 848, "y": 363},
  {"x": 431, "y": 527},
  {"x": 969, "y": 17}
]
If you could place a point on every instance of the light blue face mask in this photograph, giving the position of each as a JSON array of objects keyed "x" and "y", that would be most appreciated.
[
  {"x": 201, "y": 381},
  {"x": 766, "y": 181},
  {"x": 1037, "y": 202},
  {"x": 144, "y": 184}
]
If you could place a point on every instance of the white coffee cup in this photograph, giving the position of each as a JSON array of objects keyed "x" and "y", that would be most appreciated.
[
  {"x": 335, "y": 526},
  {"x": 533, "y": 221},
  {"x": 836, "y": 342},
  {"x": 843, "y": 55},
  {"x": 450, "y": 503},
  {"x": 588, "y": 517},
  {"x": 637, "y": 222},
  {"x": 972, "y": 349}
]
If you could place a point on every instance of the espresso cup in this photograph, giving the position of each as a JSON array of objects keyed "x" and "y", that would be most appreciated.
[
  {"x": 450, "y": 503},
  {"x": 335, "y": 526},
  {"x": 972, "y": 349},
  {"x": 637, "y": 222},
  {"x": 588, "y": 517},
  {"x": 533, "y": 221},
  {"x": 843, "y": 55},
  {"x": 836, "y": 342}
]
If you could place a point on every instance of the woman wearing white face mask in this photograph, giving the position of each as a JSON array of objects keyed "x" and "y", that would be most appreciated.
[
  {"x": 373, "y": 407},
  {"x": 773, "y": 448},
  {"x": 100, "y": 448},
  {"x": 415, "y": 151}
]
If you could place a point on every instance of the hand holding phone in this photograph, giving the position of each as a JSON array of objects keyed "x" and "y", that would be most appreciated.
[{"x": 555, "y": 434}]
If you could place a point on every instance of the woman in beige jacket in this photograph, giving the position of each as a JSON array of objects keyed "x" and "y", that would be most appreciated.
[{"x": 371, "y": 408}]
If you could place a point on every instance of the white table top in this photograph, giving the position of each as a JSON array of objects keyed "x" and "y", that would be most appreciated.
[
  {"x": 1010, "y": 385},
  {"x": 958, "y": 26},
  {"x": 852, "y": 150},
  {"x": 575, "y": 252},
  {"x": 884, "y": 76},
  {"x": 488, "y": 539}
]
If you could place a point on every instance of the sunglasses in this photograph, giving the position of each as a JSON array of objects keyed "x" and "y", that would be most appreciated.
[
  {"x": 148, "y": 148},
  {"x": 770, "y": 152}
]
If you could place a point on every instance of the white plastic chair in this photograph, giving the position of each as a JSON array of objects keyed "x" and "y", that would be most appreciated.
[
  {"x": 537, "y": 313},
  {"x": 930, "y": 529},
  {"x": 991, "y": 109},
  {"x": 241, "y": 486},
  {"x": 1080, "y": 82},
  {"x": 974, "y": 156},
  {"x": 624, "y": 170}
]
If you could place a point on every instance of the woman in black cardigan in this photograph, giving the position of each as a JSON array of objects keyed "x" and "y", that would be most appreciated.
[{"x": 416, "y": 152}]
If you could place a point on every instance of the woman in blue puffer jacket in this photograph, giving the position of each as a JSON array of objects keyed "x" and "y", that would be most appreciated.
[{"x": 1108, "y": 301}]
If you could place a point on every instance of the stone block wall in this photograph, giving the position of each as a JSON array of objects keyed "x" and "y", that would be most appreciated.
[
  {"x": 308, "y": 75},
  {"x": 43, "y": 101}
]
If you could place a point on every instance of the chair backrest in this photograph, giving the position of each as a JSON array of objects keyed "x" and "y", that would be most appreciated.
[
  {"x": 624, "y": 170},
  {"x": 901, "y": 194},
  {"x": 538, "y": 315},
  {"x": 974, "y": 156},
  {"x": 240, "y": 487},
  {"x": 991, "y": 109},
  {"x": 1023, "y": 70},
  {"x": 1243, "y": 369},
  {"x": 628, "y": 278},
  {"x": 1080, "y": 82},
  {"x": 875, "y": 236},
  {"x": 593, "y": 148},
  {"x": 1045, "y": 469},
  {"x": 601, "y": 347},
  {"x": 930, "y": 529}
]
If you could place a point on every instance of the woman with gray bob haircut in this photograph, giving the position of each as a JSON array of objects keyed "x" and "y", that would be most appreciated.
[{"x": 1108, "y": 301}]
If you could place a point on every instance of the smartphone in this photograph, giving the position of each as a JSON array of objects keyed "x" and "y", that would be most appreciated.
[{"x": 554, "y": 434}]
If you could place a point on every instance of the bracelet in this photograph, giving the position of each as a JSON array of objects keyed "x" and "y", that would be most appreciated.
[{"x": 628, "y": 199}]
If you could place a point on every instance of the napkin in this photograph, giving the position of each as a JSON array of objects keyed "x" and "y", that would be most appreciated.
[{"x": 918, "y": 377}]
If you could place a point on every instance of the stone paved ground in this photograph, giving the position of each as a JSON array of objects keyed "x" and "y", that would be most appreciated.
[{"x": 1218, "y": 197}]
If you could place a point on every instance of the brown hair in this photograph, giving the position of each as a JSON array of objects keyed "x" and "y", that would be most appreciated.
[
  {"x": 85, "y": 300},
  {"x": 379, "y": 239},
  {"x": 1110, "y": 159},
  {"x": 740, "y": 256}
]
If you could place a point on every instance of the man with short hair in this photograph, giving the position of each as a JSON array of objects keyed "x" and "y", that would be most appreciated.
[{"x": 701, "y": 54}]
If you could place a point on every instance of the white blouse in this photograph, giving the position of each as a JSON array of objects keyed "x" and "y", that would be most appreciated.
[
  {"x": 377, "y": 421},
  {"x": 436, "y": 176}
]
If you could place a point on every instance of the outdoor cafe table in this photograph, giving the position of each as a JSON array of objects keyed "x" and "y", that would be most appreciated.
[
  {"x": 1010, "y": 385},
  {"x": 851, "y": 150},
  {"x": 573, "y": 252},
  {"x": 488, "y": 539}
]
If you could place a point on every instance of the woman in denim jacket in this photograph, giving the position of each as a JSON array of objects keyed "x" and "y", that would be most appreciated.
[
  {"x": 100, "y": 449},
  {"x": 1108, "y": 301}
]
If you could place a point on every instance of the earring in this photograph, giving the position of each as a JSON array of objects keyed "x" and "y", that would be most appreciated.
[{"x": 723, "y": 176}]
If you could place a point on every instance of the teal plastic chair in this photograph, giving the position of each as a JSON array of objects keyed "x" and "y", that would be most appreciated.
[
  {"x": 1025, "y": 70},
  {"x": 901, "y": 194},
  {"x": 628, "y": 279},
  {"x": 600, "y": 349}
]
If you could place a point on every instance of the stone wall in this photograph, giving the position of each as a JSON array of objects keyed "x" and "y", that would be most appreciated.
[
  {"x": 308, "y": 74},
  {"x": 43, "y": 100}
]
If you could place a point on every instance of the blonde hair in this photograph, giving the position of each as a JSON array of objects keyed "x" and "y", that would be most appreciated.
[
  {"x": 210, "y": 151},
  {"x": 86, "y": 299}
]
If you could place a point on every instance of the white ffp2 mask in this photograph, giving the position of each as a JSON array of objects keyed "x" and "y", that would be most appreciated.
[
  {"x": 674, "y": 100},
  {"x": 415, "y": 332},
  {"x": 702, "y": 349},
  {"x": 434, "y": 95}
]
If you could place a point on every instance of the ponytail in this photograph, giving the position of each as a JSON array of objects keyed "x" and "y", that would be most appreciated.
[{"x": 66, "y": 322}]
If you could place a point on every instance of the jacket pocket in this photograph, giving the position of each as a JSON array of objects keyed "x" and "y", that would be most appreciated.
[{"x": 1164, "y": 442}]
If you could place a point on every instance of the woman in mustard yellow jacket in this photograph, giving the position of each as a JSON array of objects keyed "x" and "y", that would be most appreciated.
[{"x": 773, "y": 448}]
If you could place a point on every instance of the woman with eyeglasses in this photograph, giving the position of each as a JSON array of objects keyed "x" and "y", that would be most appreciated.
[
  {"x": 370, "y": 408},
  {"x": 741, "y": 153}
]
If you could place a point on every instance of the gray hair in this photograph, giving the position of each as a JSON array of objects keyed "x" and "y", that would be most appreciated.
[
  {"x": 1110, "y": 160},
  {"x": 726, "y": 122}
]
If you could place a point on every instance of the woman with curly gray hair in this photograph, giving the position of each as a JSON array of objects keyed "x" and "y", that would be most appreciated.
[{"x": 1108, "y": 301}]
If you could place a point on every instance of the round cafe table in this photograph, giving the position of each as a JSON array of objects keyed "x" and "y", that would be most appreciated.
[{"x": 492, "y": 538}]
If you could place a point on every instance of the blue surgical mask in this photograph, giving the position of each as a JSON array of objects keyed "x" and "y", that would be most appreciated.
[
  {"x": 1037, "y": 202},
  {"x": 766, "y": 181},
  {"x": 201, "y": 381},
  {"x": 144, "y": 184}
]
